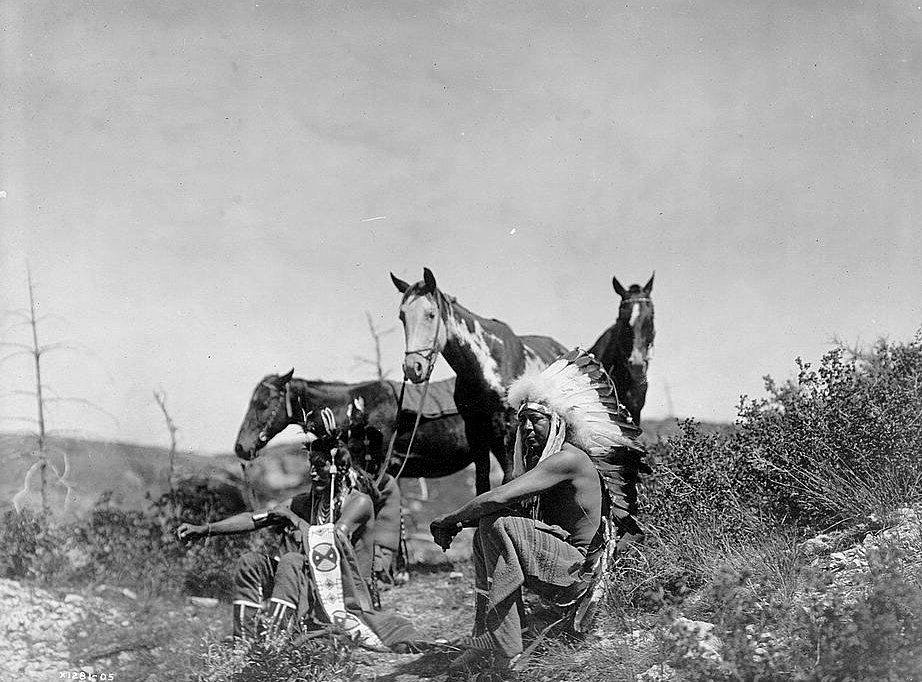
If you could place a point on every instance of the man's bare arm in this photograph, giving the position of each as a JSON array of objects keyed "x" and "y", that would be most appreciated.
[
  {"x": 357, "y": 511},
  {"x": 559, "y": 467},
  {"x": 238, "y": 523}
]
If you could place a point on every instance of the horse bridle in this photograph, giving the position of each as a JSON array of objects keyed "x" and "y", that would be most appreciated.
[
  {"x": 428, "y": 353},
  {"x": 263, "y": 435},
  {"x": 649, "y": 345}
]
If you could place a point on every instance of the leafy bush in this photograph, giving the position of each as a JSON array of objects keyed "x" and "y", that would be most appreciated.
[
  {"x": 136, "y": 549},
  {"x": 871, "y": 632},
  {"x": 32, "y": 547},
  {"x": 839, "y": 444},
  {"x": 875, "y": 635},
  {"x": 842, "y": 442}
]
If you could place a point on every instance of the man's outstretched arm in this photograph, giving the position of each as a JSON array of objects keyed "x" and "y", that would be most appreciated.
[
  {"x": 244, "y": 522},
  {"x": 559, "y": 467}
]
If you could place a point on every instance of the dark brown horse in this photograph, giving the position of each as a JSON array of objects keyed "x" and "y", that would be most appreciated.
[
  {"x": 439, "y": 449},
  {"x": 486, "y": 356},
  {"x": 624, "y": 348}
]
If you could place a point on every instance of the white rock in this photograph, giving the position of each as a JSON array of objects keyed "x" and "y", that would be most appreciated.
[
  {"x": 73, "y": 599},
  {"x": 658, "y": 673},
  {"x": 708, "y": 644}
]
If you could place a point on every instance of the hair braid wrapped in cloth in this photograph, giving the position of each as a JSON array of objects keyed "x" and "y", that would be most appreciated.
[{"x": 577, "y": 390}]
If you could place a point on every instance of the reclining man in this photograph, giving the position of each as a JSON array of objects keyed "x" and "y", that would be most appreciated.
[
  {"x": 326, "y": 531},
  {"x": 549, "y": 527}
]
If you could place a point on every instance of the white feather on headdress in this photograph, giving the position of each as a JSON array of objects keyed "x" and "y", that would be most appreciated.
[{"x": 580, "y": 392}]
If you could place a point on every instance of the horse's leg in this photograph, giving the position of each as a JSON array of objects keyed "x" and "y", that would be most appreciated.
[
  {"x": 478, "y": 439},
  {"x": 503, "y": 443},
  {"x": 636, "y": 397}
]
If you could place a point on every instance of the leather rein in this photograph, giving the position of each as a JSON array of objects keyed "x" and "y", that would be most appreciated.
[{"x": 428, "y": 354}]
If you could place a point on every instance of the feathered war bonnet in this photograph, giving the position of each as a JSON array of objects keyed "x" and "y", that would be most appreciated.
[{"x": 581, "y": 399}]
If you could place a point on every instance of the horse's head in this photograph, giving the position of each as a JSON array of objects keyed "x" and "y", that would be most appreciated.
[
  {"x": 421, "y": 311},
  {"x": 636, "y": 314},
  {"x": 267, "y": 415}
]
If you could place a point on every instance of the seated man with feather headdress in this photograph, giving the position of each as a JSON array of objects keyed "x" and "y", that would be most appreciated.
[
  {"x": 553, "y": 527},
  {"x": 322, "y": 571}
]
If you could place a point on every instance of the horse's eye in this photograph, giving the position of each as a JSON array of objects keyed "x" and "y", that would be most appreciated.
[{"x": 431, "y": 314}]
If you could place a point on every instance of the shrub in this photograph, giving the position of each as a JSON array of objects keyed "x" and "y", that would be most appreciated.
[
  {"x": 874, "y": 635},
  {"x": 33, "y": 547},
  {"x": 837, "y": 445},
  {"x": 129, "y": 548},
  {"x": 322, "y": 659}
]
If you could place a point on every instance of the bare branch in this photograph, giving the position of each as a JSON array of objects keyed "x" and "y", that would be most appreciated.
[
  {"x": 376, "y": 336},
  {"x": 52, "y": 316},
  {"x": 58, "y": 345},
  {"x": 30, "y": 420},
  {"x": 13, "y": 355},
  {"x": 21, "y": 313},
  {"x": 17, "y": 325},
  {"x": 171, "y": 427},
  {"x": 15, "y": 344},
  {"x": 18, "y": 391}
]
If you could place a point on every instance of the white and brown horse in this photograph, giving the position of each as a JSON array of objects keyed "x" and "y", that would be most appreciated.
[
  {"x": 624, "y": 348},
  {"x": 486, "y": 356}
]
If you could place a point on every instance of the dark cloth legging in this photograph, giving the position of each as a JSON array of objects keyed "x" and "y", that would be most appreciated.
[{"x": 259, "y": 577}]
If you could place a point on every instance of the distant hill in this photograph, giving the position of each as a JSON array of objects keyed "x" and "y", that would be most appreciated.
[
  {"x": 654, "y": 429},
  {"x": 135, "y": 475}
]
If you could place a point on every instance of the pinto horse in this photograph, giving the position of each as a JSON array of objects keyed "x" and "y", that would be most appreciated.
[
  {"x": 486, "y": 356},
  {"x": 439, "y": 449},
  {"x": 624, "y": 348}
]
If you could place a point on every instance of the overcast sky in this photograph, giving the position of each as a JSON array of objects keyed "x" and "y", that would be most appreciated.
[{"x": 207, "y": 192}]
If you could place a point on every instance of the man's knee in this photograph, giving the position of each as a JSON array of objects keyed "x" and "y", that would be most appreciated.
[
  {"x": 252, "y": 575},
  {"x": 496, "y": 523},
  {"x": 290, "y": 562},
  {"x": 249, "y": 563}
]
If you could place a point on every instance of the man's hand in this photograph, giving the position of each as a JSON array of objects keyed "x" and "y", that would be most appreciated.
[
  {"x": 282, "y": 514},
  {"x": 187, "y": 532},
  {"x": 444, "y": 531}
]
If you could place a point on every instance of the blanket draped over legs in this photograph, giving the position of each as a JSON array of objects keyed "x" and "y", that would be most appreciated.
[{"x": 511, "y": 552}]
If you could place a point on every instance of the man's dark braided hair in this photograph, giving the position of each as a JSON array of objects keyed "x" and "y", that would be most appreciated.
[{"x": 330, "y": 438}]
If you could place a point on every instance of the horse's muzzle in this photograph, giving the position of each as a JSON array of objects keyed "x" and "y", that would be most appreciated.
[
  {"x": 416, "y": 368},
  {"x": 244, "y": 453}
]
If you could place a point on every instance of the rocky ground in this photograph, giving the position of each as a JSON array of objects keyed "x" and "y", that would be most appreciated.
[
  {"x": 54, "y": 635},
  {"x": 104, "y": 632}
]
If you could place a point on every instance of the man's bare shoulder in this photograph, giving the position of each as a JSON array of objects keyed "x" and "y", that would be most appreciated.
[
  {"x": 569, "y": 457},
  {"x": 358, "y": 500}
]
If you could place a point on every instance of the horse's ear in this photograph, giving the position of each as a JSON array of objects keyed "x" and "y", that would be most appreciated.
[
  {"x": 400, "y": 284},
  {"x": 284, "y": 379},
  {"x": 648, "y": 287},
  {"x": 620, "y": 290},
  {"x": 429, "y": 279}
]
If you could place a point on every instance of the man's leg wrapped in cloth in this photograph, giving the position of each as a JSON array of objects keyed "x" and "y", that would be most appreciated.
[
  {"x": 511, "y": 552},
  {"x": 284, "y": 580}
]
